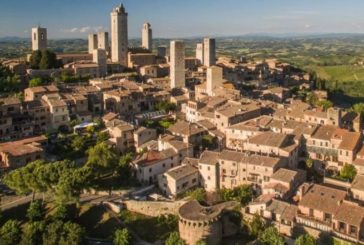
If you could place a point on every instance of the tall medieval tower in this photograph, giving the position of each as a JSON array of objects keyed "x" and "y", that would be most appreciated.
[{"x": 119, "y": 36}]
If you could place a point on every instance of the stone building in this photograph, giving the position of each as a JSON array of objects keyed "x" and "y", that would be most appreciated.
[
  {"x": 103, "y": 41},
  {"x": 17, "y": 154},
  {"x": 214, "y": 79},
  {"x": 209, "y": 53},
  {"x": 178, "y": 180},
  {"x": 200, "y": 53},
  {"x": 39, "y": 38},
  {"x": 119, "y": 36},
  {"x": 92, "y": 42},
  {"x": 210, "y": 224},
  {"x": 147, "y": 38},
  {"x": 100, "y": 58},
  {"x": 177, "y": 64}
]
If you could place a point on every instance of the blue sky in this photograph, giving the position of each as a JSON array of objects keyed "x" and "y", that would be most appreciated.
[{"x": 184, "y": 18}]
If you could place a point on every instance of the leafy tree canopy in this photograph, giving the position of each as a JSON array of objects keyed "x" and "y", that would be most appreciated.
[
  {"x": 270, "y": 236},
  {"x": 348, "y": 172},
  {"x": 10, "y": 233},
  {"x": 122, "y": 237},
  {"x": 174, "y": 239},
  {"x": 305, "y": 239}
]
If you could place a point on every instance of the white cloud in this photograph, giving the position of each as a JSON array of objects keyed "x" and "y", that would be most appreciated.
[
  {"x": 308, "y": 26},
  {"x": 84, "y": 29}
]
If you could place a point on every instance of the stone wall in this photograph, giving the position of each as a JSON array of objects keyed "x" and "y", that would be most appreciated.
[{"x": 152, "y": 208}]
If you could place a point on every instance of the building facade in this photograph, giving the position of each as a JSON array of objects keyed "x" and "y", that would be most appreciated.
[
  {"x": 119, "y": 36},
  {"x": 147, "y": 37},
  {"x": 177, "y": 64}
]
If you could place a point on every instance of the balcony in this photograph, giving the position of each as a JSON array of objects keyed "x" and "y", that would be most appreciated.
[
  {"x": 341, "y": 233},
  {"x": 314, "y": 222}
]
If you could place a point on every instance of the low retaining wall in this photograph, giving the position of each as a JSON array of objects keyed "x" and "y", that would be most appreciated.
[{"x": 152, "y": 208}]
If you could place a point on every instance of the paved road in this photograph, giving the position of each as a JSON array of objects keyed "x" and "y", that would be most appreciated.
[{"x": 8, "y": 202}]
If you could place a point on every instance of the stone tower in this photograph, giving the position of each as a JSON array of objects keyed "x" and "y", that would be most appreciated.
[
  {"x": 39, "y": 38},
  {"x": 103, "y": 41},
  {"x": 147, "y": 37},
  {"x": 335, "y": 116},
  {"x": 99, "y": 57},
  {"x": 209, "y": 52},
  {"x": 92, "y": 42},
  {"x": 199, "y": 53},
  {"x": 119, "y": 35},
  {"x": 177, "y": 64},
  {"x": 161, "y": 51},
  {"x": 214, "y": 79}
]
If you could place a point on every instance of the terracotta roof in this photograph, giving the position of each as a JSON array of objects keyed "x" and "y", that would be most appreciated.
[
  {"x": 350, "y": 140},
  {"x": 324, "y": 132},
  {"x": 151, "y": 157},
  {"x": 358, "y": 183},
  {"x": 269, "y": 139},
  {"x": 110, "y": 116},
  {"x": 286, "y": 175},
  {"x": 350, "y": 214},
  {"x": 209, "y": 157},
  {"x": 190, "y": 161},
  {"x": 181, "y": 172},
  {"x": 264, "y": 161},
  {"x": 231, "y": 156},
  {"x": 322, "y": 198},
  {"x": 186, "y": 128}
]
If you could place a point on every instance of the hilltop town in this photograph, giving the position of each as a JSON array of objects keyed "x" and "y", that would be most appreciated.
[{"x": 216, "y": 150}]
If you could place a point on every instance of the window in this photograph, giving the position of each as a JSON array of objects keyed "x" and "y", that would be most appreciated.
[
  {"x": 353, "y": 230},
  {"x": 150, "y": 170}
]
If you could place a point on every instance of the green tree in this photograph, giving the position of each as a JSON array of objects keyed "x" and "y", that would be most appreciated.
[
  {"x": 10, "y": 233},
  {"x": 271, "y": 236},
  {"x": 48, "y": 60},
  {"x": 101, "y": 137},
  {"x": 256, "y": 225},
  {"x": 122, "y": 237},
  {"x": 198, "y": 194},
  {"x": 311, "y": 98},
  {"x": 26, "y": 179},
  {"x": 102, "y": 158},
  {"x": 53, "y": 233},
  {"x": 242, "y": 194},
  {"x": 309, "y": 163},
  {"x": 201, "y": 242},
  {"x": 70, "y": 185},
  {"x": 124, "y": 166},
  {"x": 78, "y": 143},
  {"x": 359, "y": 108},
  {"x": 305, "y": 239},
  {"x": 35, "y": 59},
  {"x": 35, "y": 82},
  {"x": 32, "y": 233},
  {"x": 61, "y": 212},
  {"x": 165, "y": 106},
  {"x": 325, "y": 104},
  {"x": 73, "y": 234},
  {"x": 348, "y": 172},
  {"x": 165, "y": 124},
  {"x": 208, "y": 141},
  {"x": 174, "y": 239},
  {"x": 36, "y": 211}
]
